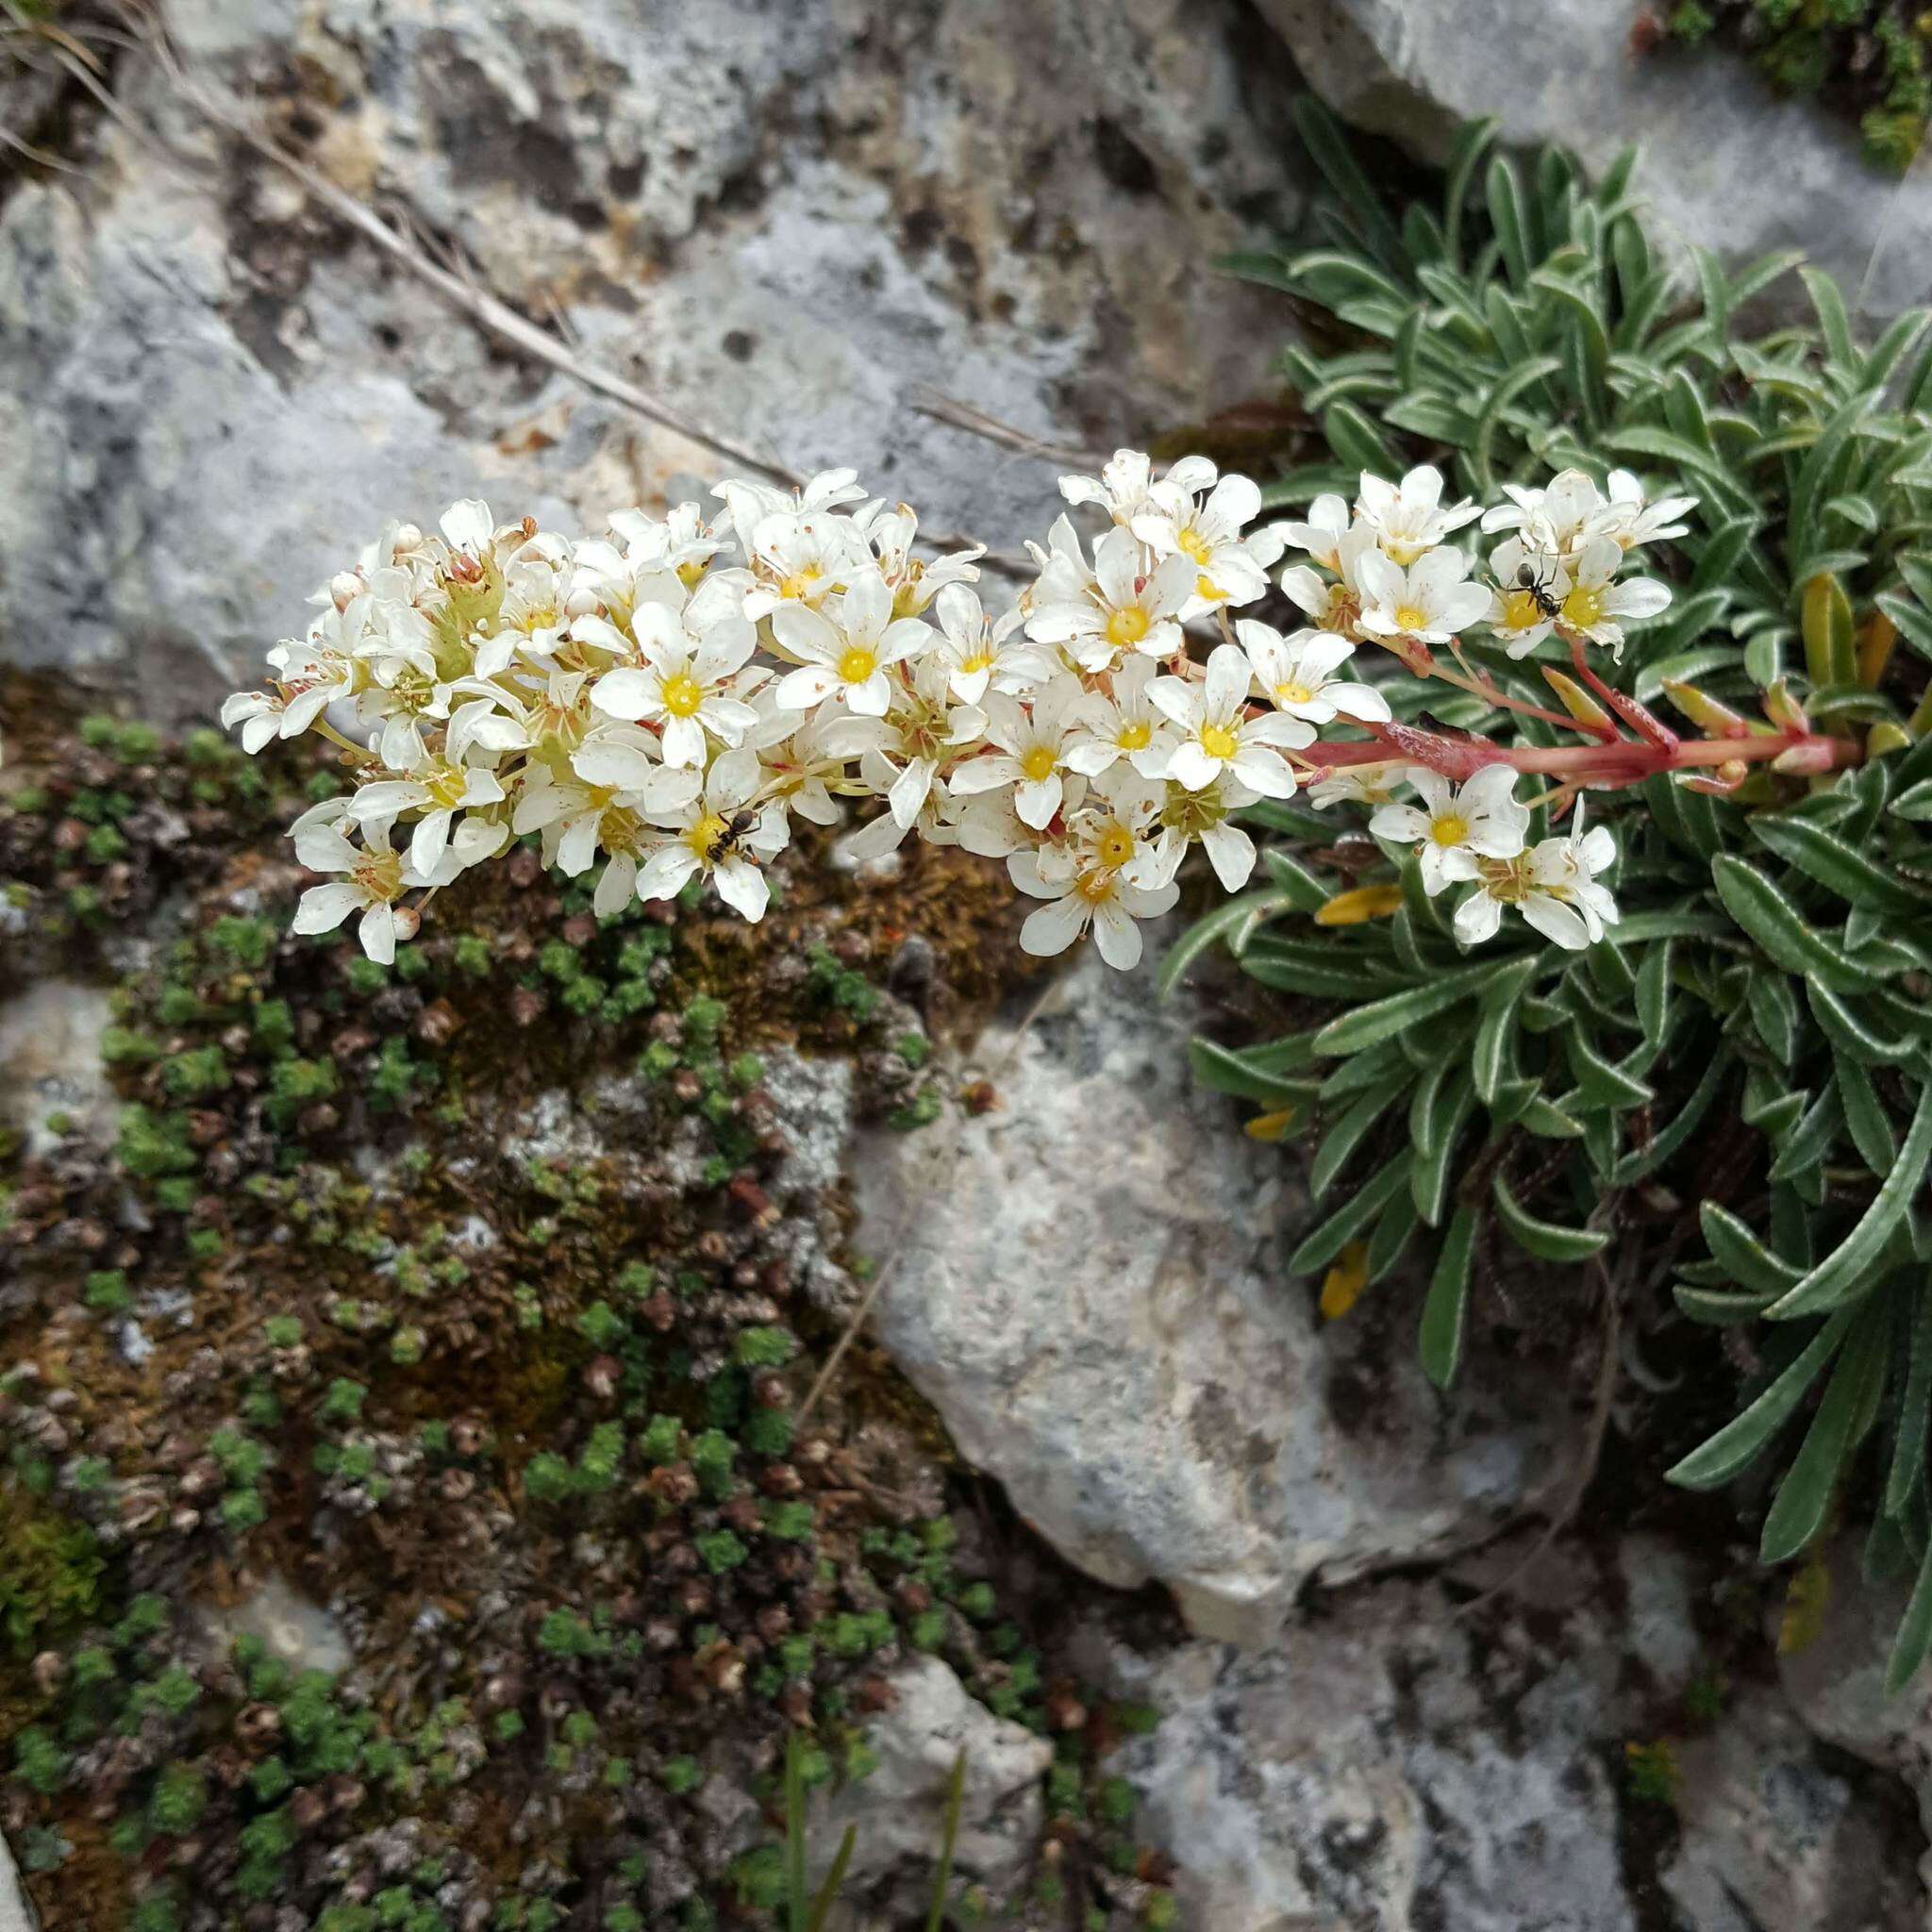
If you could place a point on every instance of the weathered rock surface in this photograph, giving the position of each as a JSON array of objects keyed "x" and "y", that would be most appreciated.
[
  {"x": 1393, "y": 1765},
  {"x": 16, "y": 1915},
  {"x": 898, "y": 1812},
  {"x": 1727, "y": 162},
  {"x": 1088, "y": 1283},
  {"x": 211, "y": 392},
  {"x": 50, "y": 1060}
]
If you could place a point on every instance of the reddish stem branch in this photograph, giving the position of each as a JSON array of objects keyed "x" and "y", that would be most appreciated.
[{"x": 1600, "y": 765}]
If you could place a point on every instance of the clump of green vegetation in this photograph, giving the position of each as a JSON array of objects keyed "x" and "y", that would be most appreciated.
[
  {"x": 1736, "y": 1083},
  {"x": 1869, "y": 59},
  {"x": 474, "y": 1365}
]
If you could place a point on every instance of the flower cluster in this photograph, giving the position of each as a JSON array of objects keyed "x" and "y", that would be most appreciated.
[{"x": 665, "y": 702}]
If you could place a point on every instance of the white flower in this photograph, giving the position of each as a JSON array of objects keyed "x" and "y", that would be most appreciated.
[
  {"x": 1321, "y": 537},
  {"x": 890, "y": 534},
  {"x": 847, "y": 659},
  {"x": 680, "y": 685},
  {"x": 1429, "y": 602},
  {"x": 1124, "y": 722},
  {"x": 1089, "y": 892},
  {"x": 1218, "y": 736},
  {"x": 1527, "y": 581},
  {"x": 376, "y": 878},
  {"x": 1554, "y": 518},
  {"x": 1373, "y": 783},
  {"x": 922, "y": 730},
  {"x": 1596, "y": 606},
  {"x": 683, "y": 544},
  {"x": 804, "y": 758},
  {"x": 799, "y": 561},
  {"x": 1333, "y": 607},
  {"x": 1031, "y": 754},
  {"x": 1409, "y": 517},
  {"x": 260, "y": 713},
  {"x": 748, "y": 504},
  {"x": 436, "y": 788},
  {"x": 1205, "y": 816},
  {"x": 1124, "y": 487},
  {"x": 1297, "y": 675},
  {"x": 1230, "y": 568},
  {"x": 1481, "y": 819},
  {"x": 719, "y": 835},
  {"x": 1632, "y": 522},
  {"x": 1553, "y": 885},
  {"x": 979, "y": 654},
  {"x": 1128, "y": 608}
]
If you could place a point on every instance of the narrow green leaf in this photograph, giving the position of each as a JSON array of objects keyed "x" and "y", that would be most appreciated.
[
  {"x": 1351, "y": 1129},
  {"x": 828, "y": 1892},
  {"x": 1736, "y": 1445},
  {"x": 1914, "y": 1637},
  {"x": 1797, "y": 1512},
  {"x": 1444, "y": 1310},
  {"x": 1837, "y": 867},
  {"x": 1719, "y": 1308},
  {"x": 1601, "y": 1084},
  {"x": 1229, "y": 921},
  {"x": 1549, "y": 1241},
  {"x": 1915, "y": 1411},
  {"x": 1653, "y": 991},
  {"x": 1774, "y": 1014},
  {"x": 1770, "y": 918},
  {"x": 1432, "y": 1167},
  {"x": 1846, "y": 1269},
  {"x": 1322, "y": 1246},
  {"x": 1382, "y": 1019},
  {"x": 1231, "y": 1070},
  {"x": 1741, "y": 1254},
  {"x": 1493, "y": 1056},
  {"x": 1865, "y": 1116}
]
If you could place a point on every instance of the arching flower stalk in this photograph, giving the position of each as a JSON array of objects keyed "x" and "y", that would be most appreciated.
[{"x": 663, "y": 705}]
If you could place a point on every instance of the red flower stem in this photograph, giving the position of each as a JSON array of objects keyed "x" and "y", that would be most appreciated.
[
  {"x": 1598, "y": 765},
  {"x": 1636, "y": 716}
]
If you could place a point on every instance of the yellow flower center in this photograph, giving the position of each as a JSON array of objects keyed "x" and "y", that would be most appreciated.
[
  {"x": 1114, "y": 846},
  {"x": 1096, "y": 888},
  {"x": 1195, "y": 545},
  {"x": 1126, "y": 627},
  {"x": 1584, "y": 606},
  {"x": 1136, "y": 735},
  {"x": 704, "y": 834},
  {"x": 1037, "y": 763},
  {"x": 1206, "y": 586},
  {"x": 691, "y": 572},
  {"x": 1452, "y": 828},
  {"x": 1519, "y": 610},
  {"x": 802, "y": 585},
  {"x": 1404, "y": 552},
  {"x": 1411, "y": 617},
  {"x": 1218, "y": 742},
  {"x": 980, "y": 660},
  {"x": 683, "y": 694},
  {"x": 446, "y": 785},
  {"x": 380, "y": 874},
  {"x": 857, "y": 664},
  {"x": 1293, "y": 692},
  {"x": 619, "y": 830},
  {"x": 905, "y": 599}
]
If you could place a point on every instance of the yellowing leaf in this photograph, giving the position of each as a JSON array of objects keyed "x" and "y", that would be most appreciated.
[
  {"x": 1874, "y": 648},
  {"x": 1577, "y": 701},
  {"x": 1357, "y": 907},
  {"x": 1806, "y": 1598},
  {"x": 1345, "y": 1281},
  {"x": 1270, "y": 1126}
]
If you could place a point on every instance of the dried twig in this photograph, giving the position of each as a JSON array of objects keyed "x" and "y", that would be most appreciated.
[{"x": 968, "y": 416}]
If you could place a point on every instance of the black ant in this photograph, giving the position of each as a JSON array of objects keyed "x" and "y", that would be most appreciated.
[
  {"x": 738, "y": 828},
  {"x": 1532, "y": 580}
]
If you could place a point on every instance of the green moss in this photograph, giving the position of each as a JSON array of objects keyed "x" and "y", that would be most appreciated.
[{"x": 52, "y": 1573}]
